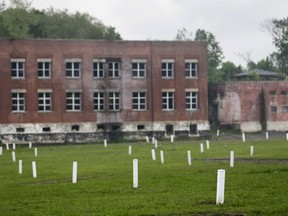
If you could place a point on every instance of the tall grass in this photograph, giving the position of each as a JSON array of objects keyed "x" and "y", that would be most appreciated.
[{"x": 254, "y": 186}]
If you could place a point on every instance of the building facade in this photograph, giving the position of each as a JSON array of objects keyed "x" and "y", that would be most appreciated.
[
  {"x": 84, "y": 90},
  {"x": 251, "y": 105}
]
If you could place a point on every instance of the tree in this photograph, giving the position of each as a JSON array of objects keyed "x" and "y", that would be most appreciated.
[
  {"x": 278, "y": 29},
  {"x": 21, "y": 21},
  {"x": 229, "y": 70},
  {"x": 215, "y": 53}
]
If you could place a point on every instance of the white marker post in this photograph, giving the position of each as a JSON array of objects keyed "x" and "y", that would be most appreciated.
[
  {"x": 156, "y": 143},
  {"x": 74, "y": 172},
  {"x": 7, "y": 146},
  {"x": 231, "y": 158},
  {"x": 105, "y": 143},
  {"x": 172, "y": 138},
  {"x": 218, "y": 133},
  {"x": 243, "y": 137},
  {"x": 220, "y": 186},
  {"x": 162, "y": 157},
  {"x": 35, "y": 152},
  {"x": 13, "y": 156},
  {"x": 286, "y": 136},
  {"x": 189, "y": 158},
  {"x": 207, "y": 144},
  {"x": 147, "y": 139},
  {"x": 20, "y": 167},
  {"x": 153, "y": 154},
  {"x": 135, "y": 173},
  {"x": 1, "y": 150},
  {"x": 251, "y": 151},
  {"x": 153, "y": 140},
  {"x": 201, "y": 148},
  {"x": 14, "y": 146},
  {"x": 130, "y": 150},
  {"x": 30, "y": 145},
  {"x": 267, "y": 136},
  {"x": 34, "y": 170}
]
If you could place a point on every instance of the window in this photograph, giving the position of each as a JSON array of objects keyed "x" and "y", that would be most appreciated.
[
  {"x": 285, "y": 108},
  {"x": 169, "y": 129},
  {"x": 273, "y": 108},
  {"x": 46, "y": 129},
  {"x": 17, "y": 68},
  {"x": 98, "y": 100},
  {"x": 139, "y": 100},
  {"x": 193, "y": 129},
  {"x": 191, "y": 100},
  {"x": 44, "y": 68},
  {"x": 75, "y": 128},
  {"x": 73, "y": 101},
  {"x": 167, "y": 100},
  {"x": 139, "y": 68},
  {"x": 191, "y": 66},
  {"x": 18, "y": 101},
  {"x": 20, "y": 130},
  {"x": 140, "y": 127},
  {"x": 114, "y": 101},
  {"x": 73, "y": 68},
  {"x": 168, "y": 68},
  {"x": 114, "y": 69},
  {"x": 44, "y": 101},
  {"x": 272, "y": 93},
  {"x": 98, "y": 68},
  {"x": 284, "y": 93}
]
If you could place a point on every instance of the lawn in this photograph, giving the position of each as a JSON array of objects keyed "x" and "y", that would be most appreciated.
[{"x": 254, "y": 186}]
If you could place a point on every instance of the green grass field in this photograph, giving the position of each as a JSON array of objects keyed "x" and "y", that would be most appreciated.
[{"x": 254, "y": 186}]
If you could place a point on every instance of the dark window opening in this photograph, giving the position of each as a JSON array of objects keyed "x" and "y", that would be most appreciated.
[
  {"x": 115, "y": 127},
  {"x": 100, "y": 127},
  {"x": 20, "y": 130},
  {"x": 46, "y": 129},
  {"x": 272, "y": 93},
  {"x": 169, "y": 129},
  {"x": 140, "y": 127},
  {"x": 75, "y": 128},
  {"x": 193, "y": 129}
]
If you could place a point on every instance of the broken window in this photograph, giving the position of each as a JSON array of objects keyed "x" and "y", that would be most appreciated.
[
  {"x": 169, "y": 129},
  {"x": 75, "y": 128},
  {"x": 193, "y": 129}
]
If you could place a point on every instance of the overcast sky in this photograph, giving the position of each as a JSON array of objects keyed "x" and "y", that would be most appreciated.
[{"x": 235, "y": 23}]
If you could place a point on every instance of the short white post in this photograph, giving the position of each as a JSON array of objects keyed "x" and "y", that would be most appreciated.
[
  {"x": 130, "y": 150},
  {"x": 13, "y": 156},
  {"x": 251, "y": 151},
  {"x": 35, "y": 152},
  {"x": 172, "y": 138},
  {"x": 220, "y": 186},
  {"x": 286, "y": 136},
  {"x": 243, "y": 137},
  {"x": 267, "y": 136},
  {"x": 34, "y": 170},
  {"x": 218, "y": 133},
  {"x": 153, "y": 140},
  {"x": 7, "y": 146},
  {"x": 207, "y": 144},
  {"x": 20, "y": 166},
  {"x": 231, "y": 158},
  {"x": 30, "y": 145},
  {"x": 153, "y": 154},
  {"x": 105, "y": 143},
  {"x": 156, "y": 143},
  {"x": 74, "y": 172},
  {"x": 189, "y": 158},
  {"x": 147, "y": 139},
  {"x": 135, "y": 173},
  {"x": 201, "y": 148},
  {"x": 1, "y": 150},
  {"x": 162, "y": 156},
  {"x": 14, "y": 146}
]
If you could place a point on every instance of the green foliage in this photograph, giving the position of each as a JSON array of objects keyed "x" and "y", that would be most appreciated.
[
  {"x": 20, "y": 21},
  {"x": 253, "y": 187},
  {"x": 227, "y": 71}
]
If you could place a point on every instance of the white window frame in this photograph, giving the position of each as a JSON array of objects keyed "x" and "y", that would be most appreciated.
[
  {"x": 114, "y": 69},
  {"x": 191, "y": 68},
  {"x": 45, "y": 100},
  {"x": 98, "y": 68},
  {"x": 139, "y": 100},
  {"x": 43, "y": 72},
  {"x": 166, "y": 71},
  {"x": 168, "y": 100},
  {"x": 285, "y": 108},
  {"x": 72, "y": 72},
  {"x": 99, "y": 101},
  {"x": 73, "y": 101},
  {"x": 18, "y": 96},
  {"x": 138, "y": 71},
  {"x": 114, "y": 100},
  {"x": 191, "y": 99},
  {"x": 19, "y": 71}
]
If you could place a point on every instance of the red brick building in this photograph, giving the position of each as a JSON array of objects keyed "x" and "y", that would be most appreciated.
[
  {"x": 82, "y": 90},
  {"x": 250, "y": 105}
]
